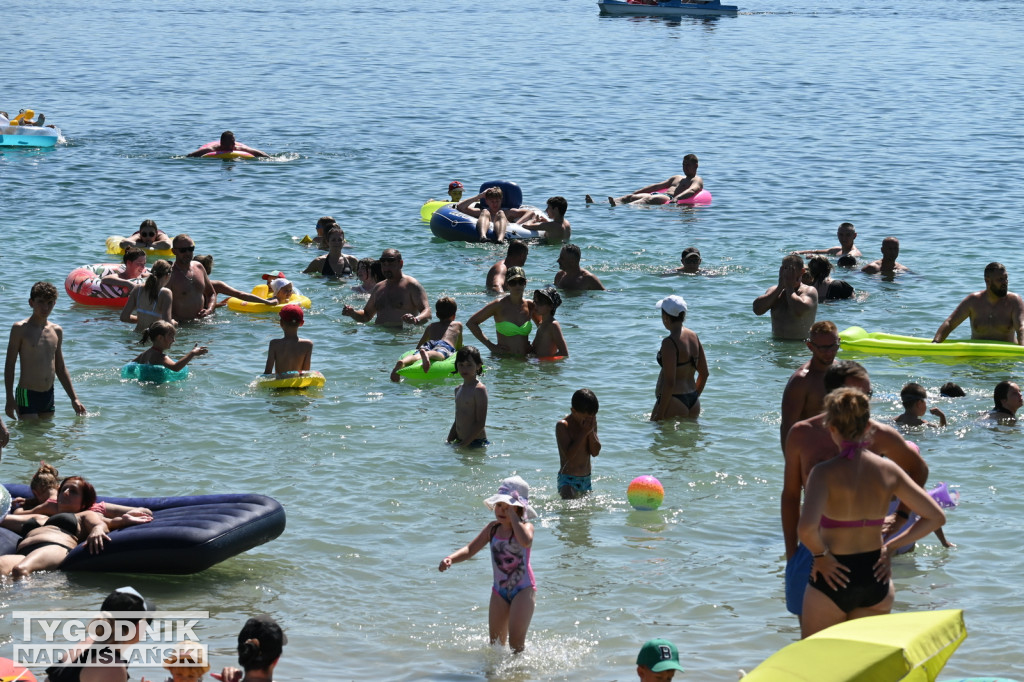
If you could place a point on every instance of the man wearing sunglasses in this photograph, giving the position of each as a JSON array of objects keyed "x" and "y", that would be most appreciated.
[
  {"x": 148, "y": 236},
  {"x": 398, "y": 298},
  {"x": 804, "y": 396},
  {"x": 193, "y": 294}
]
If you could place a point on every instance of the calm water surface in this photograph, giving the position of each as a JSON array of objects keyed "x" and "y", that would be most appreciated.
[{"x": 899, "y": 117}]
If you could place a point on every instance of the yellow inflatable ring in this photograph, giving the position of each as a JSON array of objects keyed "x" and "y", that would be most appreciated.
[
  {"x": 263, "y": 291},
  {"x": 114, "y": 248},
  {"x": 311, "y": 379}
]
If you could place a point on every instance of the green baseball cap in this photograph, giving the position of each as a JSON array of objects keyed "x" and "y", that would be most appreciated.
[{"x": 658, "y": 655}]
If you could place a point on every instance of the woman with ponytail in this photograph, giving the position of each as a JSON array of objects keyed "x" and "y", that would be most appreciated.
[
  {"x": 150, "y": 301},
  {"x": 846, "y": 501}
]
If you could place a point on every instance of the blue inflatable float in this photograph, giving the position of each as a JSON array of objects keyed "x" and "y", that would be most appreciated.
[
  {"x": 456, "y": 226},
  {"x": 186, "y": 535}
]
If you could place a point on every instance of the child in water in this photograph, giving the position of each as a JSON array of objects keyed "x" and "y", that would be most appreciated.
[
  {"x": 289, "y": 354},
  {"x": 469, "y": 428},
  {"x": 510, "y": 536},
  {"x": 440, "y": 339},
  {"x": 549, "y": 342},
  {"x": 161, "y": 334},
  {"x": 914, "y": 398},
  {"x": 577, "y": 440},
  {"x": 44, "y": 492},
  {"x": 187, "y": 662}
]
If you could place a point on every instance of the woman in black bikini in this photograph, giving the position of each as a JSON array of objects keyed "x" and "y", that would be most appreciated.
[
  {"x": 334, "y": 263},
  {"x": 682, "y": 359},
  {"x": 47, "y": 540},
  {"x": 845, "y": 502}
]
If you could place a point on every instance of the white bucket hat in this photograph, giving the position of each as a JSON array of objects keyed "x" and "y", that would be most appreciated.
[{"x": 515, "y": 492}]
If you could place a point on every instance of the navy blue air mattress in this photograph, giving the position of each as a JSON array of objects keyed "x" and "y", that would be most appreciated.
[{"x": 187, "y": 534}]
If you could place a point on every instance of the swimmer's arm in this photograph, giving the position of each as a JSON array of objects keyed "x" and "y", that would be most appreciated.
[
  {"x": 424, "y": 337},
  {"x": 1018, "y": 320},
  {"x": 921, "y": 503},
  {"x": 164, "y": 305},
  {"x": 96, "y": 531},
  {"x": 62, "y": 373},
  {"x": 315, "y": 267},
  {"x": 559, "y": 339},
  {"x": 271, "y": 359},
  {"x": 465, "y": 206},
  {"x": 522, "y": 530},
  {"x": 308, "y": 357},
  {"x": 162, "y": 242},
  {"x": 369, "y": 310},
  {"x": 887, "y": 441},
  {"x": 593, "y": 442},
  {"x": 458, "y": 338},
  {"x": 463, "y": 553},
  {"x": 962, "y": 312},
  {"x": 498, "y": 282},
  {"x": 418, "y": 298},
  {"x": 791, "y": 485},
  {"x": 793, "y": 398},
  {"x": 196, "y": 351},
  {"x": 767, "y": 300},
  {"x": 13, "y": 347},
  {"x": 667, "y": 380},
  {"x": 940, "y": 414},
  {"x": 5, "y": 437},
  {"x": 702, "y": 368},
  {"x": 481, "y": 315},
  {"x": 130, "y": 305},
  {"x": 209, "y": 295},
  {"x": 694, "y": 188},
  {"x": 664, "y": 184},
  {"x": 803, "y": 302},
  {"x": 872, "y": 268}
]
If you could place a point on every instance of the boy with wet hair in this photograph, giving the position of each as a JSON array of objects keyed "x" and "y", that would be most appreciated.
[
  {"x": 577, "y": 439},
  {"x": 914, "y": 398},
  {"x": 37, "y": 344},
  {"x": 440, "y": 339},
  {"x": 489, "y": 215}
]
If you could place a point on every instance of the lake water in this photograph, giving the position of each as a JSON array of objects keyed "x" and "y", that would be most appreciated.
[{"x": 899, "y": 117}]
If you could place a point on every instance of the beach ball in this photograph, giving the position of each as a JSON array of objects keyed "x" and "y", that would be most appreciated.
[{"x": 645, "y": 493}]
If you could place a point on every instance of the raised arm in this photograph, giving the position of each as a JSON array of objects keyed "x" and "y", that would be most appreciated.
[
  {"x": 768, "y": 299},
  {"x": 196, "y": 351},
  {"x": 961, "y": 313},
  {"x": 369, "y": 310}
]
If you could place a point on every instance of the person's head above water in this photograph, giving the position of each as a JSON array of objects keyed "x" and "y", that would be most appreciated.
[{"x": 227, "y": 139}]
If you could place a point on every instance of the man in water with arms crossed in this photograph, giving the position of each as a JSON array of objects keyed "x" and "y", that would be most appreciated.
[{"x": 995, "y": 312}]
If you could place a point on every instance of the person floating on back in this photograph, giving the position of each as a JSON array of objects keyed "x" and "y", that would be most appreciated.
[{"x": 676, "y": 188}]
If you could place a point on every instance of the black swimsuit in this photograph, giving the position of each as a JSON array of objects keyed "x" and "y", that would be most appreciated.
[
  {"x": 66, "y": 522},
  {"x": 688, "y": 399},
  {"x": 328, "y": 271}
]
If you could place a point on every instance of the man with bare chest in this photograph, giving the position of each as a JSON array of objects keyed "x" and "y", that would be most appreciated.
[
  {"x": 192, "y": 291},
  {"x": 398, "y": 298},
  {"x": 804, "y": 396},
  {"x": 996, "y": 313}
]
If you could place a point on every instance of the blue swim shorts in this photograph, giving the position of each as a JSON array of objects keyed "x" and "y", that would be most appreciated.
[
  {"x": 580, "y": 484},
  {"x": 441, "y": 346},
  {"x": 798, "y": 574}
]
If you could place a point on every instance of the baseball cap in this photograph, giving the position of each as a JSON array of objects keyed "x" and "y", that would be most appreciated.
[
  {"x": 454, "y": 184},
  {"x": 292, "y": 313},
  {"x": 658, "y": 655},
  {"x": 673, "y": 305},
  {"x": 514, "y": 272},
  {"x": 691, "y": 252}
]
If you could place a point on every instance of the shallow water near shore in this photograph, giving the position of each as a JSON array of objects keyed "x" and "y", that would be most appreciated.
[{"x": 896, "y": 117}]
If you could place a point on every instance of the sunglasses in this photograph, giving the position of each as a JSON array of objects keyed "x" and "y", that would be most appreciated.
[
  {"x": 147, "y": 234},
  {"x": 517, "y": 282},
  {"x": 185, "y": 248},
  {"x": 389, "y": 259}
]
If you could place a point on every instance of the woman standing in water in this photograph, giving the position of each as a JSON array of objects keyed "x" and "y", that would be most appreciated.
[
  {"x": 681, "y": 358},
  {"x": 845, "y": 504},
  {"x": 513, "y": 317}
]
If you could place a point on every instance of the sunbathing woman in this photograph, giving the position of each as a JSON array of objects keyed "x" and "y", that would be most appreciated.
[
  {"x": 46, "y": 541},
  {"x": 119, "y": 280},
  {"x": 845, "y": 504}
]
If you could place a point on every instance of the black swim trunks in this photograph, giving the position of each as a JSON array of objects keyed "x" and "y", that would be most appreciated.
[{"x": 34, "y": 402}]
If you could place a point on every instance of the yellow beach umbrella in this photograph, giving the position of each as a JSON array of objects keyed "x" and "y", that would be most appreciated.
[{"x": 899, "y": 647}]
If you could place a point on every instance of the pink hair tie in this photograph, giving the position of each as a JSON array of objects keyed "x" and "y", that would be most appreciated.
[{"x": 850, "y": 448}]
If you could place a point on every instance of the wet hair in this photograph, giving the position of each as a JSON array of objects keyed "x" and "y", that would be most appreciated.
[
  {"x": 88, "y": 492},
  {"x": 951, "y": 390},
  {"x": 690, "y": 157},
  {"x": 517, "y": 247},
  {"x": 394, "y": 252},
  {"x": 994, "y": 268},
  {"x": 560, "y": 203},
  {"x": 848, "y": 226},
  {"x": 846, "y": 261},
  {"x": 911, "y": 393},
  {"x": 681, "y": 317},
  {"x": 160, "y": 269},
  {"x": 585, "y": 401},
  {"x": 206, "y": 260},
  {"x": 45, "y": 478},
  {"x": 334, "y": 229},
  {"x": 179, "y": 238},
  {"x": 469, "y": 353},
  {"x": 326, "y": 222},
  {"x": 849, "y": 411},
  {"x": 260, "y": 643},
  {"x": 839, "y": 372},
  {"x": 793, "y": 259},
  {"x": 365, "y": 263},
  {"x": 493, "y": 192},
  {"x": 822, "y": 327},
  {"x": 891, "y": 240},
  {"x": 377, "y": 271},
  {"x": 1001, "y": 393},
  {"x": 227, "y": 136},
  {"x": 148, "y": 223},
  {"x": 43, "y": 291},
  {"x": 820, "y": 267},
  {"x": 446, "y": 307},
  {"x": 132, "y": 253},
  {"x": 573, "y": 251},
  {"x": 158, "y": 328}
]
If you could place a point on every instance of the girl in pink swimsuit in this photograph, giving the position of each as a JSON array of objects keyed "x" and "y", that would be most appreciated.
[{"x": 510, "y": 538}]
